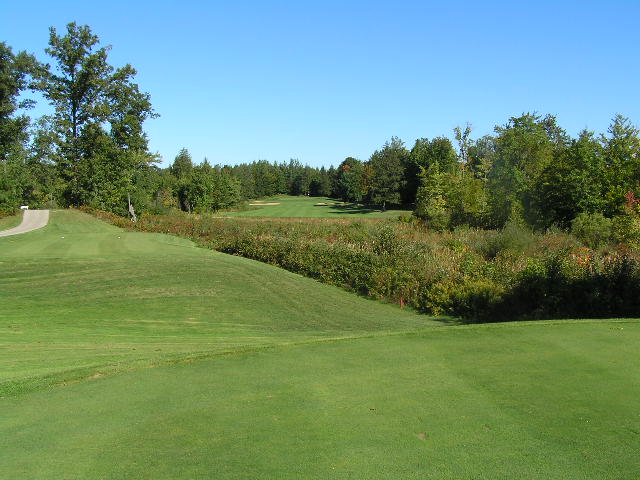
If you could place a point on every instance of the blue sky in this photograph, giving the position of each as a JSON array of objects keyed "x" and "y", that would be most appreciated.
[{"x": 242, "y": 81}]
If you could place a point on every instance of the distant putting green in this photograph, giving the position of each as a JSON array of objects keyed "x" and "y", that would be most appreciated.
[
  {"x": 130, "y": 355},
  {"x": 285, "y": 206}
]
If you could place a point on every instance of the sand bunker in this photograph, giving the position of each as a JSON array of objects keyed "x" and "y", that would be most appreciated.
[{"x": 264, "y": 204}]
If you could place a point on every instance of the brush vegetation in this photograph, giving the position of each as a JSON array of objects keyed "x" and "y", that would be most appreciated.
[
  {"x": 9, "y": 219},
  {"x": 478, "y": 275}
]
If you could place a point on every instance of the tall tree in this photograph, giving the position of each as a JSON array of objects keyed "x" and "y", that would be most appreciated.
[
  {"x": 244, "y": 175},
  {"x": 387, "y": 165},
  {"x": 350, "y": 180},
  {"x": 431, "y": 202},
  {"x": 464, "y": 143},
  {"x": 622, "y": 159},
  {"x": 182, "y": 170},
  {"x": 15, "y": 77},
  {"x": 320, "y": 183},
  {"x": 268, "y": 180},
  {"x": 573, "y": 182},
  {"x": 76, "y": 88},
  {"x": 524, "y": 148},
  {"x": 446, "y": 196},
  {"x": 424, "y": 154},
  {"x": 480, "y": 156},
  {"x": 87, "y": 94}
]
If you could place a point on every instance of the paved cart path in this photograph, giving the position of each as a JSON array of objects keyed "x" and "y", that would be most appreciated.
[{"x": 31, "y": 220}]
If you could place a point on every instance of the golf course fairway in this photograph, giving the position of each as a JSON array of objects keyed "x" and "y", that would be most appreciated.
[
  {"x": 130, "y": 355},
  {"x": 288, "y": 206}
]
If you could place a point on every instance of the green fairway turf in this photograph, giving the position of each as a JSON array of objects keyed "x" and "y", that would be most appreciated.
[
  {"x": 81, "y": 297},
  {"x": 545, "y": 401},
  {"x": 312, "y": 207},
  {"x": 130, "y": 355}
]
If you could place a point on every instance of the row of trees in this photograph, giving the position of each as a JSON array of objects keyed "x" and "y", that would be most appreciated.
[
  {"x": 530, "y": 171},
  {"x": 92, "y": 147},
  {"x": 204, "y": 187},
  {"x": 92, "y": 150}
]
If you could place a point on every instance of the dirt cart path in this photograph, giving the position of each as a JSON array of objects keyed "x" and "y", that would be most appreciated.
[{"x": 31, "y": 220}]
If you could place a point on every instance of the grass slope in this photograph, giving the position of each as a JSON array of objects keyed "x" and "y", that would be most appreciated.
[
  {"x": 81, "y": 298},
  {"x": 372, "y": 395},
  {"x": 308, "y": 207}
]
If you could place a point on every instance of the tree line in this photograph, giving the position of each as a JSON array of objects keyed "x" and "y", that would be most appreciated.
[
  {"x": 92, "y": 150},
  {"x": 92, "y": 147}
]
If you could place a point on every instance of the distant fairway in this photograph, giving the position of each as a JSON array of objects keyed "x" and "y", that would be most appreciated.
[
  {"x": 312, "y": 207},
  {"x": 130, "y": 355}
]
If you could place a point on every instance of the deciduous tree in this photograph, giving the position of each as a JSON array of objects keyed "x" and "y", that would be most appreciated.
[
  {"x": 87, "y": 94},
  {"x": 387, "y": 167}
]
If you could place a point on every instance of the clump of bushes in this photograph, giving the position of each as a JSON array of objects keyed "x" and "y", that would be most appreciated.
[
  {"x": 479, "y": 276},
  {"x": 626, "y": 229},
  {"x": 593, "y": 229},
  {"x": 514, "y": 237},
  {"x": 8, "y": 212}
]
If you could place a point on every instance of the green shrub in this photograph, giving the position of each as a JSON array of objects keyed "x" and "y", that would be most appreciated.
[
  {"x": 514, "y": 238},
  {"x": 437, "y": 299},
  {"x": 8, "y": 212},
  {"x": 386, "y": 240},
  {"x": 592, "y": 229},
  {"x": 626, "y": 229},
  {"x": 435, "y": 214},
  {"x": 476, "y": 300}
]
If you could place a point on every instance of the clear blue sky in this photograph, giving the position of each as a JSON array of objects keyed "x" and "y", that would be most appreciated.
[{"x": 241, "y": 81}]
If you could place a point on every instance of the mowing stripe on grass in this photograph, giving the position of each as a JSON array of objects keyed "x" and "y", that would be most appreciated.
[{"x": 81, "y": 297}]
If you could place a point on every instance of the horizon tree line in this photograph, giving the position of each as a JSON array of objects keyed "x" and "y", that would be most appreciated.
[{"x": 92, "y": 150}]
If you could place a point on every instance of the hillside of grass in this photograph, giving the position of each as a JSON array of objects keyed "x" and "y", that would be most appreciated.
[
  {"x": 286, "y": 206},
  {"x": 81, "y": 297},
  {"x": 138, "y": 355}
]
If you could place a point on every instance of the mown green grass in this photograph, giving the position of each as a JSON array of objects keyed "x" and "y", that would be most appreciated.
[
  {"x": 80, "y": 297},
  {"x": 259, "y": 373},
  {"x": 536, "y": 401},
  {"x": 11, "y": 221},
  {"x": 309, "y": 207}
]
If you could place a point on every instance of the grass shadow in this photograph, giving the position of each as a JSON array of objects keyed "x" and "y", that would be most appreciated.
[{"x": 350, "y": 209}]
